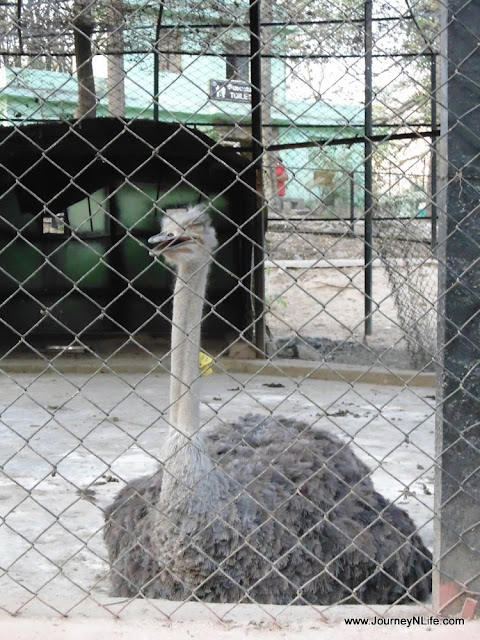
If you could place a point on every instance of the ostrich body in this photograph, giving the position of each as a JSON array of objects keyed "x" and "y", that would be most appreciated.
[{"x": 267, "y": 509}]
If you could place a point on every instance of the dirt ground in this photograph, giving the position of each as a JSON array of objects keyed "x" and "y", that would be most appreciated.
[
  {"x": 316, "y": 308},
  {"x": 290, "y": 242}
]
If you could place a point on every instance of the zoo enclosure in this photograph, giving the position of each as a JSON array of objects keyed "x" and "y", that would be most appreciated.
[{"x": 248, "y": 108}]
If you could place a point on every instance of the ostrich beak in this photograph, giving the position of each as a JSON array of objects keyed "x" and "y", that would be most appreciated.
[{"x": 165, "y": 241}]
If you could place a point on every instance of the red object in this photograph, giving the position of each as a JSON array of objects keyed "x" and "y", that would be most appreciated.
[{"x": 281, "y": 176}]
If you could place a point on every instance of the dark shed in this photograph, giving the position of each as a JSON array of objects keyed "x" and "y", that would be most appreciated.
[{"x": 78, "y": 201}]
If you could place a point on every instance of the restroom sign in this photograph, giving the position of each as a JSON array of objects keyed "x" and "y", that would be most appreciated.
[{"x": 233, "y": 90}]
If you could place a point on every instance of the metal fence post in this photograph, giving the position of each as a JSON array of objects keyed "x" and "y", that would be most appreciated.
[
  {"x": 351, "y": 184},
  {"x": 434, "y": 160},
  {"x": 257, "y": 161},
  {"x": 368, "y": 159},
  {"x": 457, "y": 488}
]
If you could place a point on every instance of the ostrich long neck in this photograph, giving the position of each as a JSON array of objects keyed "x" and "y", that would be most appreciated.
[{"x": 186, "y": 462}]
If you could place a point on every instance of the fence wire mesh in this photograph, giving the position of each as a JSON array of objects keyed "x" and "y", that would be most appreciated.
[{"x": 222, "y": 225}]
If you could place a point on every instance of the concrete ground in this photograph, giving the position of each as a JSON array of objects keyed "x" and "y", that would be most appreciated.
[{"x": 69, "y": 442}]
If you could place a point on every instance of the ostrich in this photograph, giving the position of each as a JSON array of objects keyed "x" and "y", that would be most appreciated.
[{"x": 266, "y": 510}]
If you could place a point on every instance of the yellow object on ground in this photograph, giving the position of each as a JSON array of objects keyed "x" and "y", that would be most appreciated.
[{"x": 205, "y": 362}]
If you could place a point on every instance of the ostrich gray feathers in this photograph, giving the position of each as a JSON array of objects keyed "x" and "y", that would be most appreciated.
[{"x": 297, "y": 520}]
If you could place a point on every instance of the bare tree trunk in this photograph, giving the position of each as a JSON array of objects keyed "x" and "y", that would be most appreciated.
[
  {"x": 116, "y": 69},
  {"x": 270, "y": 133},
  {"x": 83, "y": 30}
]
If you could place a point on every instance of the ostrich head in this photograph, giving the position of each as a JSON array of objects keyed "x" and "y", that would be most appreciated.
[{"x": 187, "y": 236}]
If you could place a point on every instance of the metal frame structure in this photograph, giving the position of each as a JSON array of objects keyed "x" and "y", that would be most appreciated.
[{"x": 269, "y": 306}]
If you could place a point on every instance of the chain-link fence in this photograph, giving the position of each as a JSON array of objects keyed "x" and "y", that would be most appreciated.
[{"x": 222, "y": 225}]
